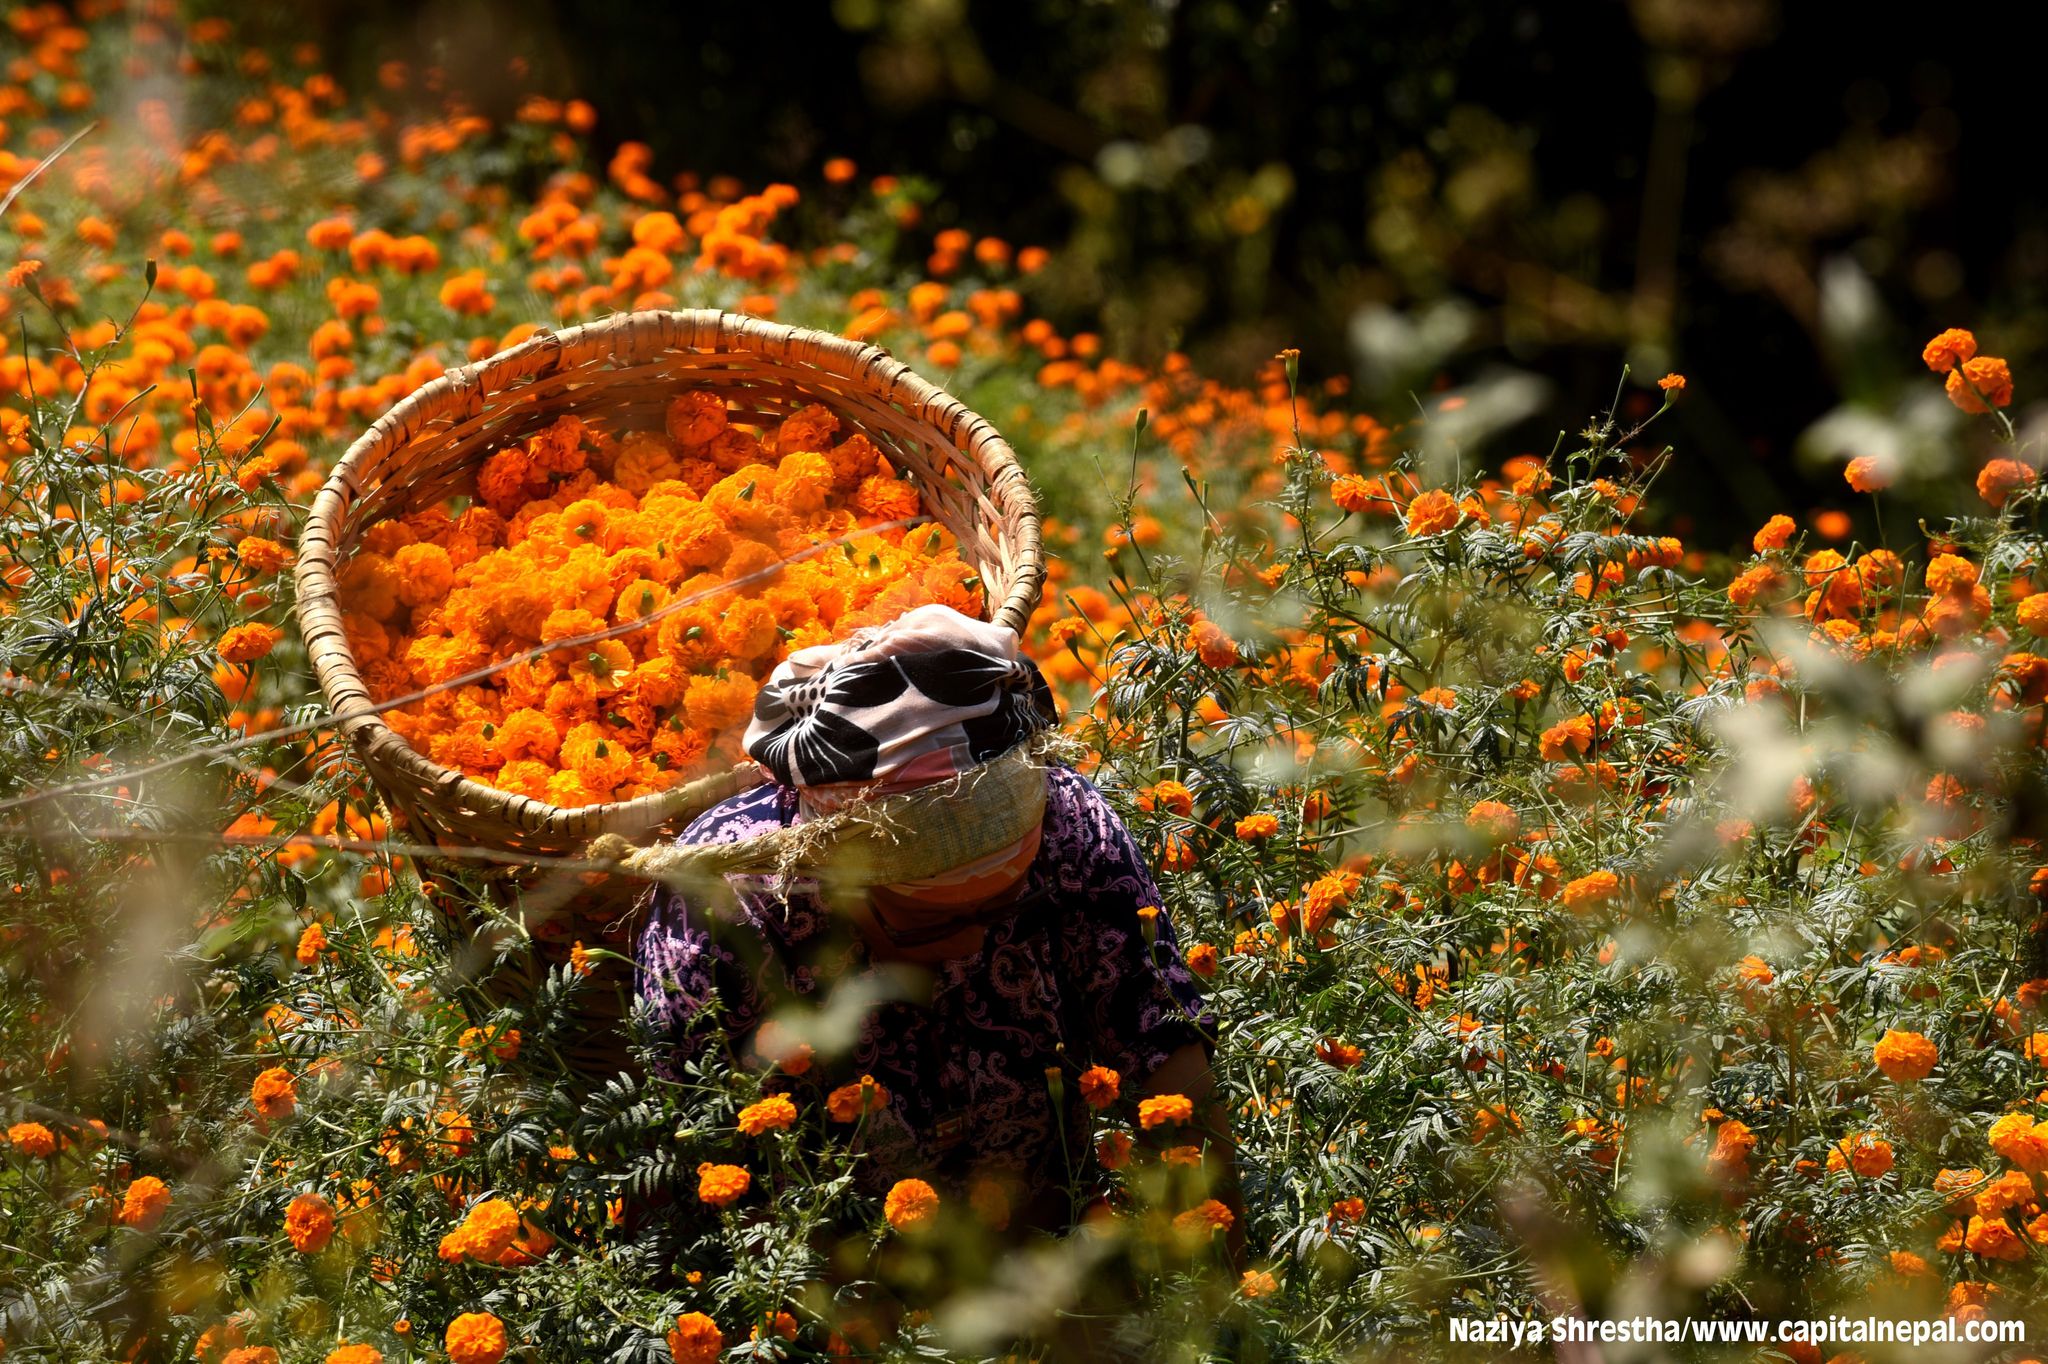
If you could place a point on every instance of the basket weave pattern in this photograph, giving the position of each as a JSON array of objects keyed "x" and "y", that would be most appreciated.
[{"x": 618, "y": 375}]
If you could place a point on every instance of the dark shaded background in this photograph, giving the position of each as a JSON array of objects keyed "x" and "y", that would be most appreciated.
[{"x": 1782, "y": 200}]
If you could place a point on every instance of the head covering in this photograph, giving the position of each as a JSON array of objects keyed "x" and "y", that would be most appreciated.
[{"x": 919, "y": 700}]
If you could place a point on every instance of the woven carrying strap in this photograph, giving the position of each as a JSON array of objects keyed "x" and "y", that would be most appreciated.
[{"x": 885, "y": 841}]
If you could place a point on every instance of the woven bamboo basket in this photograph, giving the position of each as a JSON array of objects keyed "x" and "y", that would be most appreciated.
[{"x": 618, "y": 375}]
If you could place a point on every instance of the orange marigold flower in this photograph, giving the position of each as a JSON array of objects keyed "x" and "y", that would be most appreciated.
[
  {"x": 2019, "y": 1139},
  {"x": 1590, "y": 891},
  {"x": 1496, "y": 821},
  {"x": 695, "y": 1339},
  {"x": 1864, "y": 1152},
  {"x": 476, "y": 1338},
  {"x": 1100, "y": 1086},
  {"x": 1210, "y": 644},
  {"x": 775, "y": 1113},
  {"x": 487, "y": 1230},
  {"x": 1672, "y": 383},
  {"x": 1948, "y": 350},
  {"x": 1172, "y": 796},
  {"x": 1776, "y": 534},
  {"x": 468, "y": 293},
  {"x": 911, "y": 1203},
  {"x": 1257, "y": 1283},
  {"x": 1161, "y": 1109},
  {"x": 1202, "y": 959},
  {"x": 309, "y": 1221},
  {"x": 274, "y": 1093},
  {"x": 2001, "y": 478},
  {"x": 144, "y": 1203},
  {"x": 720, "y": 1185},
  {"x": 1976, "y": 386},
  {"x": 247, "y": 643},
  {"x": 32, "y": 1139},
  {"x": 1205, "y": 1219},
  {"x": 1904, "y": 1056},
  {"x": 355, "y": 1354},
  {"x": 1255, "y": 827},
  {"x": 1868, "y": 474},
  {"x": 848, "y": 1102},
  {"x": 1343, "y": 1055},
  {"x": 1354, "y": 494},
  {"x": 1432, "y": 513},
  {"x": 312, "y": 943}
]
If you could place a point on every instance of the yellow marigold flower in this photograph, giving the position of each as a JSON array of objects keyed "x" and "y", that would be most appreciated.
[
  {"x": 911, "y": 1203},
  {"x": 475, "y": 1338},
  {"x": 1904, "y": 1056},
  {"x": 720, "y": 1185},
  {"x": 1161, "y": 1109},
  {"x": 772, "y": 1114},
  {"x": 309, "y": 1221},
  {"x": 695, "y": 1339}
]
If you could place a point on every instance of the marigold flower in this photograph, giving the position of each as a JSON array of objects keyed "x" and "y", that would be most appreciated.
[
  {"x": 1864, "y": 1152},
  {"x": 1256, "y": 827},
  {"x": 32, "y": 1139},
  {"x": 1948, "y": 350},
  {"x": 911, "y": 1203},
  {"x": 1672, "y": 383},
  {"x": 1432, "y": 513},
  {"x": 487, "y": 1230},
  {"x": 257, "y": 1354},
  {"x": 311, "y": 944},
  {"x": 247, "y": 643},
  {"x": 309, "y": 1221},
  {"x": 1999, "y": 479},
  {"x": 775, "y": 1113},
  {"x": 1904, "y": 1056},
  {"x": 1497, "y": 822},
  {"x": 355, "y": 1354},
  {"x": 720, "y": 1185},
  {"x": 1590, "y": 891},
  {"x": 1257, "y": 1283},
  {"x": 476, "y": 1338},
  {"x": 1202, "y": 959},
  {"x": 1161, "y": 1109},
  {"x": 144, "y": 1203},
  {"x": 1113, "y": 1150},
  {"x": 1335, "y": 1052},
  {"x": 275, "y": 1094},
  {"x": 1994, "y": 1239},
  {"x": 1733, "y": 1141},
  {"x": 848, "y": 1102},
  {"x": 2019, "y": 1139},
  {"x": 1868, "y": 474},
  {"x": 1976, "y": 386},
  {"x": 1100, "y": 1086},
  {"x": 1204, "y": 1219},
  {"x": 695, "y": 1339},
  {"x": 1210, "y": 644}
]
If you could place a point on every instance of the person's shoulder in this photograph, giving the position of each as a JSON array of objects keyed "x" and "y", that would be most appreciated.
[{"x": 736, "y": 817}]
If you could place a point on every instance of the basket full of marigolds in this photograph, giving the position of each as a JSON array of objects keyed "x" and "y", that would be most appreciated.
[{"x": 539, "y": 593}]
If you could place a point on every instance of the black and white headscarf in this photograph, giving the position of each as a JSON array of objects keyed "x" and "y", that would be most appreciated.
[{"x": 902, "y": 705}]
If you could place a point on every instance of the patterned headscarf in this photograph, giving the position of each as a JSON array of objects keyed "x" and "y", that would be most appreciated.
[{"x": 920, "y": 699}]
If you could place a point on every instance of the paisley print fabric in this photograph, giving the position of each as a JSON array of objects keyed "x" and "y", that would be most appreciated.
[{"x": 965, "y": 1069}]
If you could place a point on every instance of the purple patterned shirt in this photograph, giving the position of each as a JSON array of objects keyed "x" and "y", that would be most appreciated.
[{"x": 1068, "y": 983}]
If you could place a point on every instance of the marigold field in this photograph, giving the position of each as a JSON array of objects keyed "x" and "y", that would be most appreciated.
[{"x": 1595, "y": 923}]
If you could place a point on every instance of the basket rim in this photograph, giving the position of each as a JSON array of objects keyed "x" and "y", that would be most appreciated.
[{"x": 627, "y": 337}]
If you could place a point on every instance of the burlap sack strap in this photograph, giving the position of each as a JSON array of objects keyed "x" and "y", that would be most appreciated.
[{"x": 882, "y": 841}]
